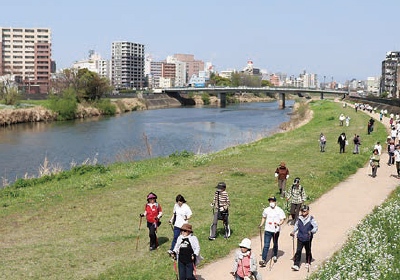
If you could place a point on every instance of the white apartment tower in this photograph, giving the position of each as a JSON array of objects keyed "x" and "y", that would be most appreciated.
[
  {"x": 26, "y": 56},
  {"x": 127, "y": 65}
]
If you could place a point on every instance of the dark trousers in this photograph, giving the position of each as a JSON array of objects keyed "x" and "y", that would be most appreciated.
[
  {"x": 342, "y": 147},
  {"x": 300, "y": 245},
  {"x": 213, "y": 228},
  {"x": 152, "y": 235},
  {"x": 186, "y": 271},
  {"x": 267, "y": 240},
  {"x": 295, "y": 210}
]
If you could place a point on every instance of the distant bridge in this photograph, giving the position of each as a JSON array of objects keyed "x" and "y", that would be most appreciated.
[{"x": 223, "y": 91}]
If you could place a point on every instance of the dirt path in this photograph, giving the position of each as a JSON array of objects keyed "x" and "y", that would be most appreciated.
[{"x": 337, "y": 213}]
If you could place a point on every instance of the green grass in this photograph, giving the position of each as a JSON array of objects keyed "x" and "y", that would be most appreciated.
[{"x": 84, "y": 225}]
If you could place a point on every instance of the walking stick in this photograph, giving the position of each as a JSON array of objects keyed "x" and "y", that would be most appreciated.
[
  {"x": 138, "y": 236},
  {"x": 261, "y": 242},
  {"x": 175, "y": 269}
]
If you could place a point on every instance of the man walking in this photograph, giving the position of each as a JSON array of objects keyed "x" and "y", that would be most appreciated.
[
  {"x": 282, "y": 174},
  {"x": 273, "y": 217},
  {"x": 306, "y": 227},
  {"x": 297, "y": 196}
]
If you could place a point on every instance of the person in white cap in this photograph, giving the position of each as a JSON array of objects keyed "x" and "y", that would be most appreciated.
[{"x": 245, "y": 263}]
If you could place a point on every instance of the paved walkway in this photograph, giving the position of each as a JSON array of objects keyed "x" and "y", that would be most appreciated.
[{"x": 337, "y": 213}]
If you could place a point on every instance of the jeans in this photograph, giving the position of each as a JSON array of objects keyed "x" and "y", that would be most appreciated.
[
  {"x": 177, "y": 231},
  {"x": 267, "y": 240}
]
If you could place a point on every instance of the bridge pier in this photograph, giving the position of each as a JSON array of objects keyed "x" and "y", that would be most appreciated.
[
  {"x": 222, "y": 99},
  {"x": 322, "y": 95},
  {"x": 282, "y": 104}
]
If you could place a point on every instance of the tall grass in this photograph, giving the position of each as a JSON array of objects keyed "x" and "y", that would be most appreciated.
[{"x": 84, "y": 225}]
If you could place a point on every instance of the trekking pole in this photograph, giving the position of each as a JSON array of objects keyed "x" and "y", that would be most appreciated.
[
  {"x": 138, "y": 236},
  {"x": 175, "y": 268},
  {"x": 261, "y": 242}
]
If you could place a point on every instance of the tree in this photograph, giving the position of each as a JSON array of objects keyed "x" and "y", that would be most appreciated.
[
  {"x": 9, "y": 91},
  {"x": 86, "y": 84}
]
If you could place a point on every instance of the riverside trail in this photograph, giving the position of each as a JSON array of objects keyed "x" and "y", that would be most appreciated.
[{"x": 337, "y": 212}]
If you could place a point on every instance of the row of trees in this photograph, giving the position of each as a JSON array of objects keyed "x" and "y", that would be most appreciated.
[{"x": 239, "y": 79}]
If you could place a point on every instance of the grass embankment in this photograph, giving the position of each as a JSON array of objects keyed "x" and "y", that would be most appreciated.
[{"x": 84, "y": 225}]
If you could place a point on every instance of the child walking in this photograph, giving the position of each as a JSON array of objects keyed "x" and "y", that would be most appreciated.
[{"x": 153, "y": 213}]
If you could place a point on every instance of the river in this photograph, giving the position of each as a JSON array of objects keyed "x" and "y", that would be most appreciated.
[{"x": 134, "y": 136}]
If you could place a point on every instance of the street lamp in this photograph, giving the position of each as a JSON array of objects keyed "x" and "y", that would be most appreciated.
[{"x": 324, "y": 82}]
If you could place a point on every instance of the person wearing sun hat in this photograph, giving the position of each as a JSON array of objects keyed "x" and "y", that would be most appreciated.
[
  {"x": 306, "y": 227},
  {"x": 153, "y": 213},
  {"x": 187, "y": 252},
  {"x": 273, "y": 216},
  {"x": 245, "y": 263},
  {"x": 282, "y": 174}
]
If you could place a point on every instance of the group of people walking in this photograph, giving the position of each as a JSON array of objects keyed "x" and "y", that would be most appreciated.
[{"x": 185, "y": 246}]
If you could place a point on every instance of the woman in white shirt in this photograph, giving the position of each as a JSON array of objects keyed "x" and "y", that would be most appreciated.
[{"x": 181, "y": 215}]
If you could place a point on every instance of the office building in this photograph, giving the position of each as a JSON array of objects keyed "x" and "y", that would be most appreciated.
[
  {"x": 26, "y": 57},
  {"x": 127, "y": 65}
]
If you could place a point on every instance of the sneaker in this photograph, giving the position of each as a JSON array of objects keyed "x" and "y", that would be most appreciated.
[
  {"x": 263, "y": 263},
  {"x": 295, "y": 267},
  {"x": 211, "y": 238},
  {"x": 275, "y": 259}
]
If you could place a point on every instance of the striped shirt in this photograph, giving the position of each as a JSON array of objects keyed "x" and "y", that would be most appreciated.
[{"x": 223, "y": 200}]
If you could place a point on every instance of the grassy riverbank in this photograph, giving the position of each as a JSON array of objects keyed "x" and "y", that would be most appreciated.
[{"x": 83, "y": 224}]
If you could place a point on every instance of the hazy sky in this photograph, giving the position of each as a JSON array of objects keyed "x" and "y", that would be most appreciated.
[{"x": 342, "y": 39}]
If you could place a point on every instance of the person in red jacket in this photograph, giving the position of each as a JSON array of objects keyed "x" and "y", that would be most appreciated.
[
  {"x": 153, "y": 213},
  {"x": 282, "y": 174}
]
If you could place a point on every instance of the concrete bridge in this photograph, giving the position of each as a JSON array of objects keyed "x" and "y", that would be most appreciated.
[{"x": 223, "y": 91}]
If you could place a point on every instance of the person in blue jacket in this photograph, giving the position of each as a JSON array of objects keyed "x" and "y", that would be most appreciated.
[{"x": 306, "y": 227}]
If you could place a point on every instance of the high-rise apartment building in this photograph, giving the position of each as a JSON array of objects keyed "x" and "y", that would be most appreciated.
[
  {"x": 26, "y": 57},
  {"x": 390, "y": 80},
  {"x": 127, "y": 65}
]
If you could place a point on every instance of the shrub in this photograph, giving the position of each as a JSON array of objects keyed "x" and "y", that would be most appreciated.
[
  {"x": 106, "y": 107},
  {"x": 65, "y": 105},
  {"x": 206, "y": 98}
]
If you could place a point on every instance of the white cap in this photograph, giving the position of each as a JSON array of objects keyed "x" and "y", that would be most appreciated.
[{"x": 246, "y": 243}]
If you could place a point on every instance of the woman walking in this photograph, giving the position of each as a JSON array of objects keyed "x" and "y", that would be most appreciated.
[{"x": 181, "y": 215}]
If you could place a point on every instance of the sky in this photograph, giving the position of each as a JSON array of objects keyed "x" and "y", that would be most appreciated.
[{"x": 341, "y": 39}]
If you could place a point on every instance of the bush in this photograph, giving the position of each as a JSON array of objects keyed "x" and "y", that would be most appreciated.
[
  {"x": 106, "y": 107},
  {"x": 65, "y": 105},
  {"x": 206, "y": 98}
]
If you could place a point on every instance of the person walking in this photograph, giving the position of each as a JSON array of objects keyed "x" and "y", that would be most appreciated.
[
  {"x": 187, "y": 252},
  {"x": 181, "y": 215},
  {"x": 245, "y": 263},
  {"x": 342, "y": 141},
  {"x": 374, "y": 162},
  {"x": 220, "y": 206},
  {"x": 397, "y": 159},
  {"x": 282, "y": 174},
  {"x": 378, "y": 146},
  {"x": 357, "y": 143},
  {"x": 371, "y": 121},
  {"x": 391, "y": 150},
  {"x": 273, "y": 217},
  {"x": 153, "y": 214},
  {"x": 341, "y": 119},
  {"x": 347, "y": 120},
  {"x": 322, "y": 142},
  {"x": 296, "y": 196},
  {"x": 306, "y": 227}
]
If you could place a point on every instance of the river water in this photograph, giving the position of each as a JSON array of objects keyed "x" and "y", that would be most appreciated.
[{"x": 134, "y": 136}]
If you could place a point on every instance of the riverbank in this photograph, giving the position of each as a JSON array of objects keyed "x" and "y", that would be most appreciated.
[
  {"x": 84, "y": 223},
  {"x": 9, "y": 116}
]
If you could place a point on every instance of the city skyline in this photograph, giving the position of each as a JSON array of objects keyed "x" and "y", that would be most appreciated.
[{"x": 339, "y": 40}]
